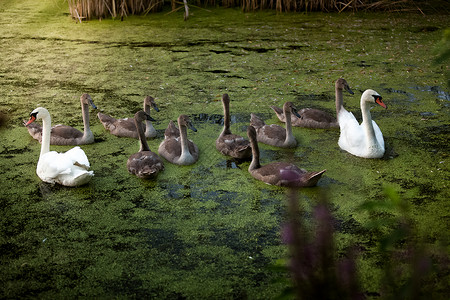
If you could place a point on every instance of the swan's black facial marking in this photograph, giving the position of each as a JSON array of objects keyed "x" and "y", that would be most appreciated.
[
  {"x": 379, "y": 101},
  {"x": 33, "y": 117},
  {"x": 377, "y": 97}
]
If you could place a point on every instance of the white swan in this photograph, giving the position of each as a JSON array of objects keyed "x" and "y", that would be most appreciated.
[
  {"x": 69, "y": 168},
  {"x": 365, "y": 140}
]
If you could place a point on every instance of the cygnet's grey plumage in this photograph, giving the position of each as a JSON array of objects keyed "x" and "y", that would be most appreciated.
[
  {"x": 126, "y": 127},
  {"x": 228, "y": 143},
  {"x": 67, "y": 135},
  {"x": 276, "y": 135},
  {"x": 177, "y": 149},
  {"x": 316, "y": 118},
  {"x": 145, "y": 163},
  {"x": 279, "y": 173}
]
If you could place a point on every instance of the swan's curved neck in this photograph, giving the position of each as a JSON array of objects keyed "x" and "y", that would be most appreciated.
[
  {"x": 339, "y": 100},
  {"x": 185, "y": 154},
  {"x": 289, "y": 135},
  {"x": 226, "y": 119},
  {"x": 255, "y": 164},
  {"x": 149, "y": 129},
  {"x": 87, "y": 133},
  {"x": 142, "y": 139},
  {"x": 367, "y": 123},
  {"x": 46, "y": 131}
]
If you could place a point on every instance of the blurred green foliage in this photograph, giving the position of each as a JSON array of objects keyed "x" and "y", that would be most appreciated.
[{"x": 442, "y": 51}]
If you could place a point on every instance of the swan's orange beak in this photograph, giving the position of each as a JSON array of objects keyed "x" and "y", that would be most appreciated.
[
  {"x": 31, "y": 120},
  {"x": 380, "y": 102}
]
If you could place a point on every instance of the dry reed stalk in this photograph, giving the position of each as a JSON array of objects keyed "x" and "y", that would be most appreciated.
[
  {"x": 114, "y": 9},
  {"x": 279, "y": 5},
  {"x": 383, "y": 4},
  {"x": 78, "y": 15},
  {"x": 153, "y": 7},
  {"x": 345, "y": 6},
  {"x": 186, "y": 10}
]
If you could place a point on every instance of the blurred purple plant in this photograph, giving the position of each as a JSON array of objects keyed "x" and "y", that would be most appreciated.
[
  {"x": 411, "y": 270},
  {"x": 316, "y": 271}
]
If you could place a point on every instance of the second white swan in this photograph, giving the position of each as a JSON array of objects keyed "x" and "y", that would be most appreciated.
[
  {"x": 69, "y": 168},
  {"x": 365, "y": 139}
]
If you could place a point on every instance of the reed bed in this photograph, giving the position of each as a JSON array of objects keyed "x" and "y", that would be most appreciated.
[{"x": 89, "y": 9}]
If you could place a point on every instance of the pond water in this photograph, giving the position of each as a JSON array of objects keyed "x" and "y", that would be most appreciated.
[{"x": 209, "y": 230}]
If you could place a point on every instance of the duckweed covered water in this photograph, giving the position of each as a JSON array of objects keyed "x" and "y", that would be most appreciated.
[{"x": 208, "y": 230}]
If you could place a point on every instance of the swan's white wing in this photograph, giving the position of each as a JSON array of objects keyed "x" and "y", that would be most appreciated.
[
  {"x": 378, "y": 134},
  {"x": 352, "y": 134},
  {"x": 346, "y": 119},
  {"x": 78, "y": 176},
  {"x": 63, "y": 167},
  {"x": 52, "y": 164},
  {"x": 77, "y": 156}
]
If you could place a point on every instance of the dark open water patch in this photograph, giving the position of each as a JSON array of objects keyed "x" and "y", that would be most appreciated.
[
  {"x": 409, "y": 97},
  {"x": 436, "y": 138},
  {"x": 165, "y": 240},
  {"x": 422, "y": 192},
  {"x": 220, "y": 51},
  {"x": 176, "y": 46},
  {"x": 208, "y": 118},
  {"x": 231, "y": 163},
  {"x": 217, "y": 71},
  {"x": 9, "y": 151},
  {"x": 175, "y": 191},
  {"x": 295, "y": 47},
  {"x": 424, "y": 29},
  {"x": 218, "y": 118},
  {"x": 363, "y": 64},
  {"x": 252, "y": 241},
  {"x": 350, "y": 226},
  {"x": 258, "y": 49},
  {"x": 440, "y": 93}
]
